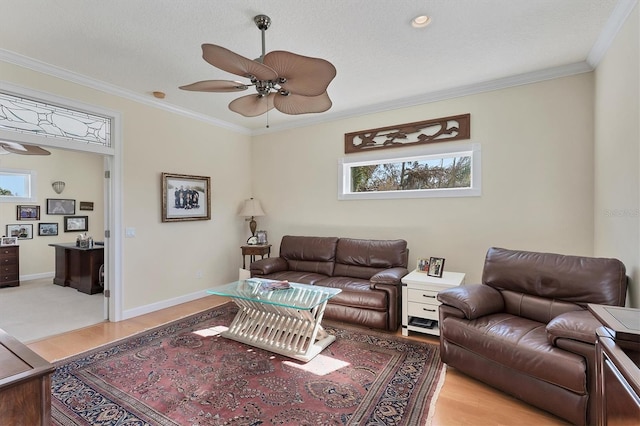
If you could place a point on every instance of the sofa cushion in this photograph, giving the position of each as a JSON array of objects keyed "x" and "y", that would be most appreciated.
[
  {"x": 294, "y": 277},
  {"x": 309, "y": 254},
  {"x": 355, "y": 293},
  {"x": 364, "y": 258},
  {"x": 535, "y": 308},
  {"x": 573, "y": 279},
  {"x": 520, "y": 344}
]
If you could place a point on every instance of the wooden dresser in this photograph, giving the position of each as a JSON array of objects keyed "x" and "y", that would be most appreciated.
[
  {"x": 9, "y": 266},
  {"x": 25, "y": 384}
]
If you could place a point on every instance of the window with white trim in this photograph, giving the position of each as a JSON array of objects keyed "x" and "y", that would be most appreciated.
[
  {"x": 17, "y": 186},
  {"x": 445, "y": 171}
]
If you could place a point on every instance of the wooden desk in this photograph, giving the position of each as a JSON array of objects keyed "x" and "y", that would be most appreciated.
[
  {"x": 79, "y": 268},
  {"x": 254, "y": 250},
  {"x": 25, "y": 384}
]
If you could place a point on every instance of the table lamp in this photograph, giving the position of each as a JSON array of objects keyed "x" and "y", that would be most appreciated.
[{"x": 252, "y": 208}]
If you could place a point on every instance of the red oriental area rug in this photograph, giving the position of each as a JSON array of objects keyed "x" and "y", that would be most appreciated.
[{"x": 183, "y": 373}]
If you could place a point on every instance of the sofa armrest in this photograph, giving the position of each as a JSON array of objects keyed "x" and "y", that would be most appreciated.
[
  {"x": 575, "y": 325},
  {"x": 268, "y": 266},
  {"x": 388, "y": 276},
  {"x": 474, "y": 300}
]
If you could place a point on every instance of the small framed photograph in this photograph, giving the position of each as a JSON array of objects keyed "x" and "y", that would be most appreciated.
[
  {"x": 86, "y": 205},
  {"x": 9, "y": 241},
  {"x": 185, "y": 197},
  {"x": 422, "y": 265},
  {"x": 61, "y": 206},
  {"x": 28, "y": 213},
  {"x": 76, "y": 223},
  {"x": 21, "y": 232},
  {"x": 436, "y": 267},
  {"x": 47, "y": 229}
]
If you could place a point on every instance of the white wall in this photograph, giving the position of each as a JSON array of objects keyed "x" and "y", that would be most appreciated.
[
  {"x": 617, "y": 154},
  {"x": 162, "y": 262},
  {"x": 537, "y": 179},
  {"x": 83, "y": 175}
]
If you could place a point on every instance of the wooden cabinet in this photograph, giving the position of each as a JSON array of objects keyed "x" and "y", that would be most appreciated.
[
  {"x": 617, "y": 365},
  {"x": 25, "y": 384},
  {"x": 79, "y": 268},
  {"x": 9, "y": 266}
]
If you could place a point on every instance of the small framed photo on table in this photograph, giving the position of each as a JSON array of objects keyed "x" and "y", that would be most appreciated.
[
  {"x": 422, "y": 265},
  {"x": 436, "y": 267}
]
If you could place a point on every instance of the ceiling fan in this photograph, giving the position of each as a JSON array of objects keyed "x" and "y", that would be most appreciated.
[
  {"x": 7, "y": 147},
  {"x": 291, "y": 83}
]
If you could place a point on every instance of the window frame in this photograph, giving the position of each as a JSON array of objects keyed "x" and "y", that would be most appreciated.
[
  {"x": 31, "y": 177},
  {"x": 430, "y": 153}
]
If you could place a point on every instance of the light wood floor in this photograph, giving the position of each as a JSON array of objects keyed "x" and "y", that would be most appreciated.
[{"x": 462, "y": 400}]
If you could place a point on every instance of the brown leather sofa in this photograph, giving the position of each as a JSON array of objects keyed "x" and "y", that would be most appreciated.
[
  {"x": 367, "y": 271},
  {"x": 526, "y": 329}
]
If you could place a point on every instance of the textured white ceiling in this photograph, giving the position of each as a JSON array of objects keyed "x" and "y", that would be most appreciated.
[{"x": 147, "y": 45}]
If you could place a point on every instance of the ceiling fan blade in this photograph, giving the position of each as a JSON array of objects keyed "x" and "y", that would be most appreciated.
[
  {"x": 252, "y": 105},
  {"x": 236, "y": 64},
  {"x": 297, "y": 104},
  {"x": 16, "y": 148},
  {"x": 216, "y": 86},
  {"x": 305, "y": 75}
]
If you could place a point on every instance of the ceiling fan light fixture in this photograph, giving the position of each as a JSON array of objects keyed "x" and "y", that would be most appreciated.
[
  {"x": 421, "y": 21},
  {"x": 288, "y": 82}
]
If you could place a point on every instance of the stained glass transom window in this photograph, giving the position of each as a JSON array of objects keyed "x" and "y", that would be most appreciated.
[{"x": 35, "y": 117}]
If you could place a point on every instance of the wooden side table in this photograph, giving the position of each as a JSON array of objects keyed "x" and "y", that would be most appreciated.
[
  {"x": 420, "y": 307},
  {"x": 254, "y": 250},
  {"x": 25, "y": 384},
  {"x": 617, "y": 365}
]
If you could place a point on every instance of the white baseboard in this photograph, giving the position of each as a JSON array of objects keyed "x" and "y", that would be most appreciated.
[
  {"x": 146, "y": 309},
  {"x": 37, "y": 276}
]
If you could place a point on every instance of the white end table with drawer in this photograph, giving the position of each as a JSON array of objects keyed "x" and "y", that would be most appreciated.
[{"x": 419, "y": 300}]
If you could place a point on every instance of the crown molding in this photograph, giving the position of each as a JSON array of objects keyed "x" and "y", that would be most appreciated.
[
  {"x": 42, "y": 67},
  {"x": 616, "y": 20},
  {"x": 440, "y": 95}
]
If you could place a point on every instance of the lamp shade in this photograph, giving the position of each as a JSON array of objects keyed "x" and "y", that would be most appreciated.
[{"x": 251, "y": 208}]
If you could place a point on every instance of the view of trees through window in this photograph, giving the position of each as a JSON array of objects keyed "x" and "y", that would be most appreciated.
[{"x": 443, "y": 172}]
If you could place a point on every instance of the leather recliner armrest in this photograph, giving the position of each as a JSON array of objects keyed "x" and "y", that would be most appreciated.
[
  {"x": 474, "y": 300},
  {"x": 575, "y": 325},
  {"x": 268, "y": 266},
  {"x": 388, "y": 276}
]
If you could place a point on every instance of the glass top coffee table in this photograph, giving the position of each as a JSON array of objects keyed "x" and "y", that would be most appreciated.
[{"x": 286, "y": 322}]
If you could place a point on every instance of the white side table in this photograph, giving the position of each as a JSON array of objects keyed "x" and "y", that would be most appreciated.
[{"x": 420, "y": 306}]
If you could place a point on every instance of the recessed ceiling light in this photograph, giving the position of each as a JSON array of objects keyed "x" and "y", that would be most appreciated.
[
  {"x": 421, "y": 21},
  {"x": 159, "y": 95}
]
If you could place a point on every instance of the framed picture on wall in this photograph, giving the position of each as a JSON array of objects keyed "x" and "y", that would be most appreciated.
[
  {"x": 47, "y": 229},
  {"x": 76, "y": 223},
  {"x": 28, "y": 213},
  {"x": 61, "y": 206},
  {"x": 8, "y": 241},
  {"x": 21, "y": 231},
  {"x": 185, "y": 197}
]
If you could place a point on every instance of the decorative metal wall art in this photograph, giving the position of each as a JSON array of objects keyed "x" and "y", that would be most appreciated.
[{"x": 455, "y": 127}]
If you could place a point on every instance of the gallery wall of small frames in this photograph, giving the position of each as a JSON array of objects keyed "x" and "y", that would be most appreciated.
[{"x": 47, "y": 218}]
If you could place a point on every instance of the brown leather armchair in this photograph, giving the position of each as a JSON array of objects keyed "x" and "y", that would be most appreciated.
[{"x": 526, "y": 329}]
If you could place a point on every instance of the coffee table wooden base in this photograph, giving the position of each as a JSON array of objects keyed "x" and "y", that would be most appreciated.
[{"x": 287, "y": 331}]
